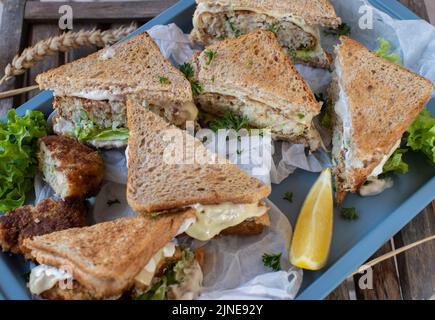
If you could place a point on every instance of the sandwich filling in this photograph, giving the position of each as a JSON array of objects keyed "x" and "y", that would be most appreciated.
[
  {"x": 101, "y": 120},
  {"x": 213, "y": 219},
  {"x": 213, "y": 23}
]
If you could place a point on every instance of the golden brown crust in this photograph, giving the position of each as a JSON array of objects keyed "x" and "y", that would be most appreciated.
[
  {"x": 155, "y": 184},
  {"x": 313, "y": 12},
  {"x": 82, "y": 166},
  {"x": 29, "y": 221},
  {"x": 106, "y": 257}
]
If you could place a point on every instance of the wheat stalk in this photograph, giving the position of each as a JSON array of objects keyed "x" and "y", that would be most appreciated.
[{"x": 83, "y": 38}]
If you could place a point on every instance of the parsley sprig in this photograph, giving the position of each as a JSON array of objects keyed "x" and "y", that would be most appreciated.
[
  {"x": 230, "y": 121},
  {"x": 349, "y": 213},
  {"x": 232, "y": 27},
  {"x": 272, "y": 261},
  {"x": 274, "y": 27},
  {"x": 288, "y": 196},
  {"x": 211, "y": 55},
  {"x": 188, "y": 72},
  {"x": 342, "y": 30}
]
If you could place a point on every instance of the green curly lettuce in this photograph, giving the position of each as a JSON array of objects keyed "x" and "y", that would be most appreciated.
[
  {"x": 384, "y": 51},
  {"x": 396, "y": 164},
  {"x": 18, "y": 147},
  {"x": 421, "y": 134}
]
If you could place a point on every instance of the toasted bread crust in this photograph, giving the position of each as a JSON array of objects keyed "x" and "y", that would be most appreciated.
[{"x": 156, "y": 184}]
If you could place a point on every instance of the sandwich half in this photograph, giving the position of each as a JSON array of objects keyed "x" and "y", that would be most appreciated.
[
  {"x": 295, "y": 23},
  {"x": 221, "y": 195},
  {"x": 253, "y": 77},
  {"x": 132, "y": 257},
  {"x": 375, "y": 101},
  {"x": 90, "y": 93}
]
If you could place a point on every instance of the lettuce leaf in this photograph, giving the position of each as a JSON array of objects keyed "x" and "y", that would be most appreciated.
[
  {"x": 87, "y": 130},
  {"x": 18, "y": 147},
  {"x": 384, "y": 51},
  {"x": 396, "y": 164},
  {"x": 421, "y": 134}
]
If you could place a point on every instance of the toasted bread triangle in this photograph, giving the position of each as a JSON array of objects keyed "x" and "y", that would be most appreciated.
[
  {"x": 155, "y": 184},
  {"x": 254, "y": 66},
  {"x": 314, "y": 12},
  {"x": 105, "y": 257},
  {"x": 135, "y": 65},
  {"x": 383, "y": 100}
]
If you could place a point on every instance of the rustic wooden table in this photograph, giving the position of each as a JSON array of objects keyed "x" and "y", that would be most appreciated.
[{"x": 410, "y": 275}]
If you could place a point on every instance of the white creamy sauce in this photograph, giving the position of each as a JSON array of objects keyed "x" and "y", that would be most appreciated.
[
  {"x": 108, "y": 144},
  {"x": 107, "y": 54},
  {"x": 213, "y": 219},
  {"x": 98, "y": 95},
  {"x": 380, "y": 167},
  {"x": 375, "y": 186},
  {"x": 43, "y": 278}
]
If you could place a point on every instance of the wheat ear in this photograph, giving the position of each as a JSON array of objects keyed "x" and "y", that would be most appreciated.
[{"x": 83, "y": 38}]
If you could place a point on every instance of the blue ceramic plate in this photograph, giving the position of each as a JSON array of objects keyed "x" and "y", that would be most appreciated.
[{"x": 353, "y": 243}]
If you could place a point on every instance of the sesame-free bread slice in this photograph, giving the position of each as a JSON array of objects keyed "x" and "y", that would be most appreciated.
[
  {"x": 133, "y": 66},
  {"x": 313, "y": 12},
  {"x": 105, "y": 258},
  {"x": 383, "y": 99},
  {"x": 252, "y": 76},
  {"x": 156, "y": 184}
]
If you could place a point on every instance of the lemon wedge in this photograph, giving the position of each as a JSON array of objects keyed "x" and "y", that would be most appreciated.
[{"x": 313, "y": 233}]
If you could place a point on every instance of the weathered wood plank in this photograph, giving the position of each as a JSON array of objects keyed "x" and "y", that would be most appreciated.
[
  {"x": 101, "y": 11},
  {"x": 417, "y": 266},
  {"x": 11, "y": 30},
  {"x": 386, "y": 285},
  {"x": 418, "y": 7},
  {"x": 340, "y": 293},
  {"x": 40, "y": 32}
]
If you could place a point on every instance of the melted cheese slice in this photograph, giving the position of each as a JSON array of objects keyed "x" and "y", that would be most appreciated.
[{"x": 213, "y": 219}]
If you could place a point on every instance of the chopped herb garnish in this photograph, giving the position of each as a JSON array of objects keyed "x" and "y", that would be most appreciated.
[
  {"x": 204, "y": 139},
  {"x": 239, "y": 152},
  {"x": 232, "y": 27},
  {"x": 163, "y": 80},
  {"x": 272, "y": 261},
  {"x": 112, "y": 202},
  {"x": 349, "y": 213},
  {"x": 274, "y": 27},
  {"x": 288, "y": 196},
  {"x": 342, "y": 30},
  {"x": 188, "y": 72},
  {"x": 301, "y": 115},
  {"x": 211, "y": 55},
  {"x": 230, "y": 121}
]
